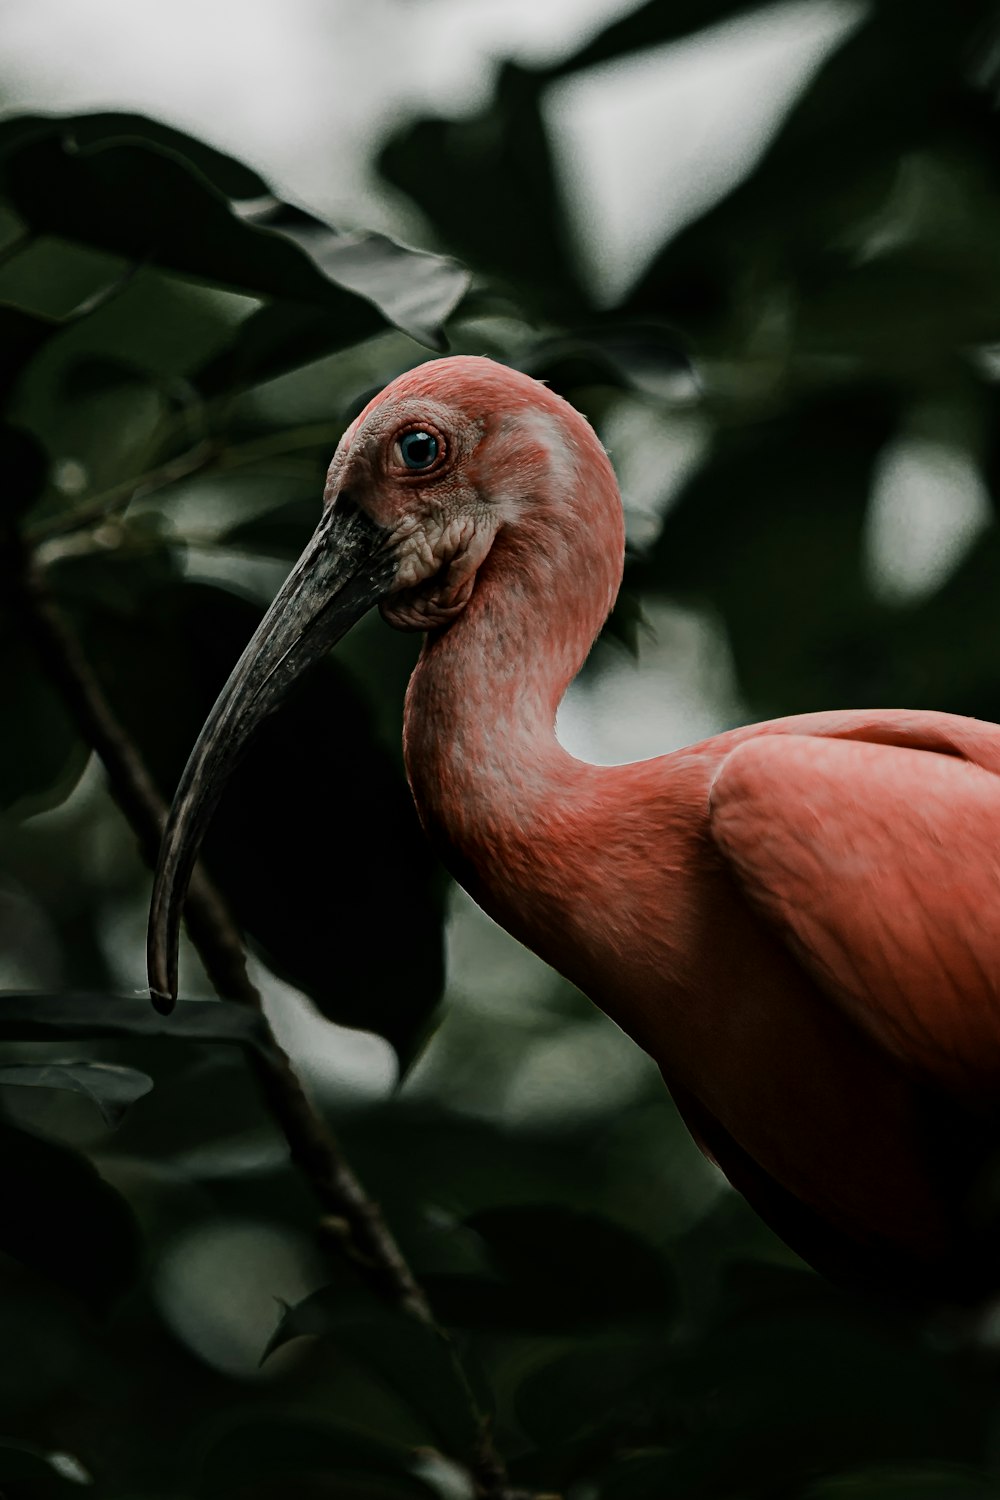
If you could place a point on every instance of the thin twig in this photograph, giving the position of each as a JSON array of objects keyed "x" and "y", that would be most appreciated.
[
  {"x": 99, "y": 507},
  {"x": 350, "y": 1219},
  {"x": 207, "y": 454}
]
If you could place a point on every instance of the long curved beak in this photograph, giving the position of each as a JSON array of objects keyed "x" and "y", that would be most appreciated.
[{"x": 346, "y": 568}]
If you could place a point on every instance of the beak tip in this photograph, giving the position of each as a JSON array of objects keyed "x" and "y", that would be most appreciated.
[{"x": 163, "y": 1002}]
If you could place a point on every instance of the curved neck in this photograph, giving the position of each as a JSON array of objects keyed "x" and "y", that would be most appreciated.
[{"x": 489, "y": 777}]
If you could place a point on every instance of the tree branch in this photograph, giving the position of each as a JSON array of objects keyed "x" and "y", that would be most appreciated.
[
  {"x": 206, "y": 454},
  {"x": 350, "y": 1220}
]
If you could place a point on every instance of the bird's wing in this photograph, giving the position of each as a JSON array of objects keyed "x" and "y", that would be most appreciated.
[{"x": 880, "y": 866}]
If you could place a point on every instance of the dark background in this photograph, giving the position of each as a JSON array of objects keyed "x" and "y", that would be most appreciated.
[{"x": 178, "y": 356}]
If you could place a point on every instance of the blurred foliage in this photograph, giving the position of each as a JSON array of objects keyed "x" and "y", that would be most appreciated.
[{"x": 179, "y": 352}]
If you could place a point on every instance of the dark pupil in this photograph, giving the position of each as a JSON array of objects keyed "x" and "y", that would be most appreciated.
[{"x": 419, "y": 449}]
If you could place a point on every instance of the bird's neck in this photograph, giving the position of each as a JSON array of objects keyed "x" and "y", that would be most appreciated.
[{"x": 494, "y": 788}]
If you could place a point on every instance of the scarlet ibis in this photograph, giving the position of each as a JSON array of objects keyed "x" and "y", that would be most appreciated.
[{"x": 799, "y": 920}]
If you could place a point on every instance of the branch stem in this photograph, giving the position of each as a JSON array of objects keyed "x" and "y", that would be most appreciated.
[
  {"x": 207, "y": 454},
  {"x": 350, "y": 1219}
]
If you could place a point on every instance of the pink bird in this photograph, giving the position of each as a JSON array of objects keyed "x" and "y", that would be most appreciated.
[{"x": 799, "y": 920}]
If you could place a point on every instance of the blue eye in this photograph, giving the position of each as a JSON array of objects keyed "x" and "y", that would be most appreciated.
[{"x": 418, "y": 449}]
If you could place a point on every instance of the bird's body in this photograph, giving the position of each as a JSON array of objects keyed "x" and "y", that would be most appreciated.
[{"x": 798, "y": 920}]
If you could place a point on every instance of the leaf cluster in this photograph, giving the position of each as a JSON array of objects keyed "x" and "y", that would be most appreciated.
[{"x": 179, "y": 352}]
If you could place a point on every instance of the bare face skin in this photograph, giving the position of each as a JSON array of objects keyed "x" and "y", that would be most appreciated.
[
  {"x": 440, "y": 520},
  {"x": 438, "y": 527}
]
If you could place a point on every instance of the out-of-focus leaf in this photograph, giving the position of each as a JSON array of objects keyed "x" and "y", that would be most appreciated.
[
  {"x": 414, "y": 289},
  {"x": 645, "y": 358},
  {"x": 792, "y": 222},
  {"x": 277, "y": 532},
  {"x": 23, "y": 465},
  {"x": 232, "y": 177},
  {"x": 133, "y": 197},
  {"x": 98, "y": 376},
  {"x": 270, "y": 341},
  {"x": 906, "y": 1484},
  {"x": 553, "y": 1270},
  {"x": 418, "y": 292},
  {"x": 110, "y": 1087},
  {"x": 298, "y": 844},
  {"x": 60, "y": 1218},
  {"x": 627, "y": 622},
  {"x": 653, "y": 1472},
  {"x": 567, "y": 1269},
  {"x": 617, "y": 1386},
  {"x": 30, "y": 1017},
  {"x": 784, "y": 1394},
  {"x": 770, "y": 529},
  {"x": 22, "y": 336},
  {"x": 47, "y": 1471},
  {"x": 41, "y": 755},
  {"x": 99, "y": 579},
  {"x": 290, "y": 1452},
  {"x": 414, "y": 1360},
  {"x": 467, "y": 174}
]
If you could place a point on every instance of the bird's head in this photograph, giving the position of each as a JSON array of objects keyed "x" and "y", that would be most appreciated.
[
  {"x": 446, "y": 459},
  {"x": 440, "y": 462}
]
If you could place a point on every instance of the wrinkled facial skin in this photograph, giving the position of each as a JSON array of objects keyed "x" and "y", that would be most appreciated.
[
  {"x": 438, "y": 528},
  {"x": 440, "y": 521}
]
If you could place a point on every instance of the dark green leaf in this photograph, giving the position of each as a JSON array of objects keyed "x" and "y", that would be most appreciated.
[
  {"x": 906, "y": 1484},
  {"x": 21, "y": 1461},
  {"x": 22, "y": 336},
  {"x": 622, "y": 1387},
  {"x": 134, "y": 198},
  {"x": 829, "y": 172},
  {"x": 645, "y": 358},
  {"x": 24, "y": 465},
  {"x": 418, "y": 292},
  {"x": 110, "y": 1087},
  {"x": 270, "y": 341},
  {"x": 230, "y": 176},
  {"x": 276, "y": 532},
  {"x": 291, "y": 1451},
  {"x": 771, "y": 528},
  {"x": 627, "y": 622},
  {"x": 299, "y": 842},
  {"x": 30, "y": 1017},
  {"x": 786, "y": 1393},
  {"x": 415, "y": 290},
  {"x": 60, "y": 1218},
  {"x": 41, "y": 754},
  {"x": 414, "y": 1360},
  {"x": 462, "y": 173},
  {"x": 567, "y": 1269}
]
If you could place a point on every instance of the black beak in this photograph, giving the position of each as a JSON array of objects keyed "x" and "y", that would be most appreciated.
[{"x": 346, "y": 568}]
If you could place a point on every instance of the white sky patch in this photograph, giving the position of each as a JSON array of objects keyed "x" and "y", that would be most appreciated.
[
  {"x": 928, "y": 506},
  {"x": 649, "y": 142}
]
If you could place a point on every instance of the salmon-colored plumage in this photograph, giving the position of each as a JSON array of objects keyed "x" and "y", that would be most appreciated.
[{"x": 799, "y": 920}]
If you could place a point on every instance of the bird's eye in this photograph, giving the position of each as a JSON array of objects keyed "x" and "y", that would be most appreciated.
[{"x": 418, "y": 450}]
